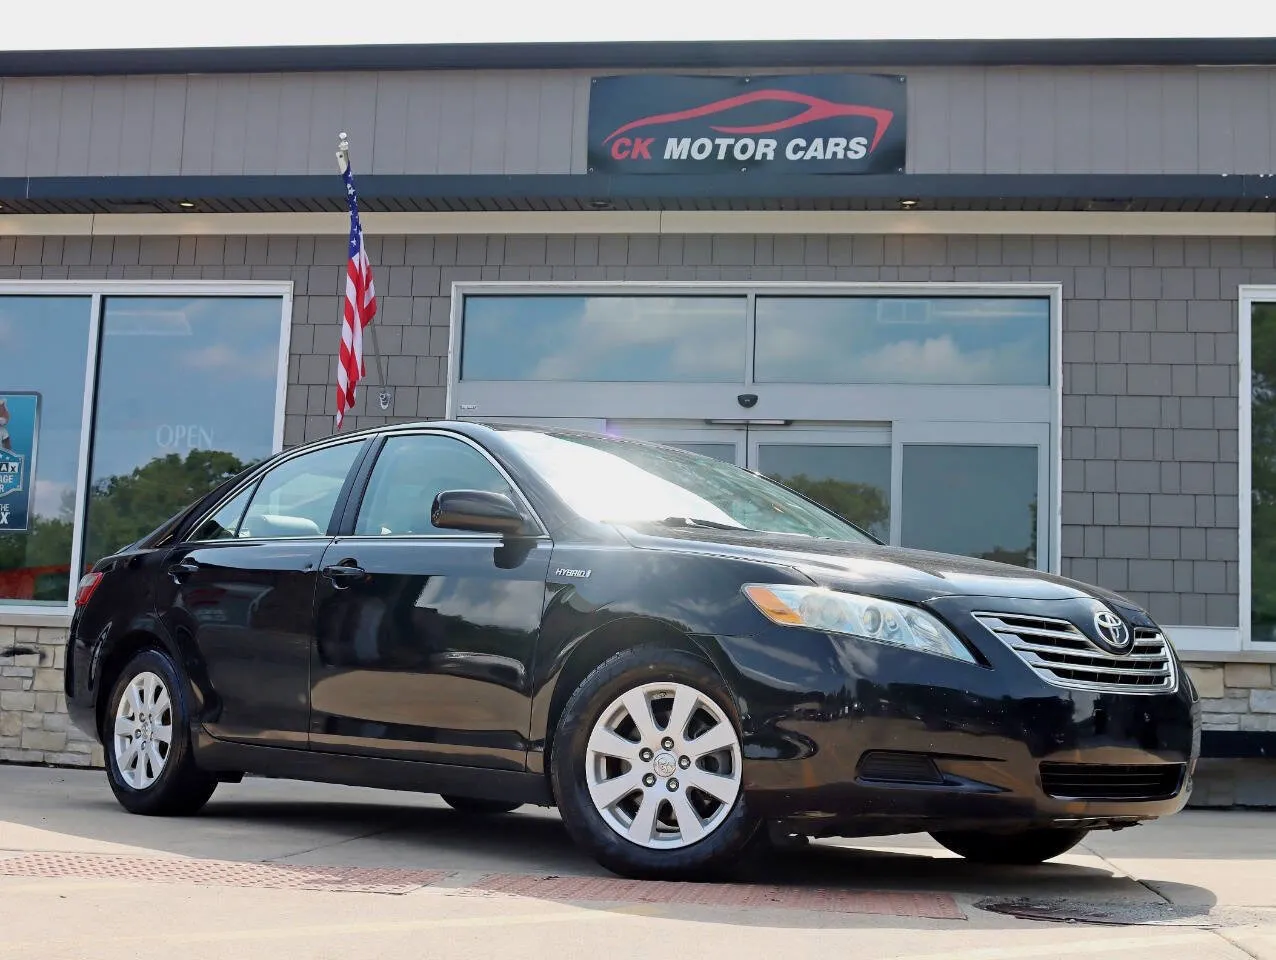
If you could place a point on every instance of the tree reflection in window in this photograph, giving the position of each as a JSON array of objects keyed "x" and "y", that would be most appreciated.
[
  {"x": 1027, "y": 557},
  {"x": 863, "y": 504},
  {"x": 35, "y": 565},
  {"x": 126, "y": 507}
]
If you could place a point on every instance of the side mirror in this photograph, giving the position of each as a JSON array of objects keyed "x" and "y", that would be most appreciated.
[{"x": 478, "y": 511}]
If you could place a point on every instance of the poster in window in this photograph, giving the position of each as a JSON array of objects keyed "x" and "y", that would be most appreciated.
[{"x": 19, "y": 428}]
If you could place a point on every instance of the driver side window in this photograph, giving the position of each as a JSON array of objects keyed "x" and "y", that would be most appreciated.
[{"x": 410, "y": 472}]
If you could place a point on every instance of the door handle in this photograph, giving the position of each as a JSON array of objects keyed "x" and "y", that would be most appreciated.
[
  {"x": 183, "y": 569},
  {"x": 343, "y": 574}
]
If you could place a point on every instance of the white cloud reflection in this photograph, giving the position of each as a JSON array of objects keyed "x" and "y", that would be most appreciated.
[
  {"x": 867, "y": 340},
  {"x": 637, "y": 339}
]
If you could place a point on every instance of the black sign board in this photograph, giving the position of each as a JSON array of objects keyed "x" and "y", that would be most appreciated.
[{"x": 813, "y": 123}]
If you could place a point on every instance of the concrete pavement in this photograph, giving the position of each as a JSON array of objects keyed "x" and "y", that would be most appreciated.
[{"x": 276, "y": 868}]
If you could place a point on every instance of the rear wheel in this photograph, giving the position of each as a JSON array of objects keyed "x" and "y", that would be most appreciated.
[
  {"x": 480, "y": 808},
  {"x": 646, "y": 764},
  {"x": 146, "y": 733},
  {"x": 1024, "y": 847}
]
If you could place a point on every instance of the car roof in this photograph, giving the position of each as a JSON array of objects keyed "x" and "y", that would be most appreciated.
[{"x": 470, "y": 428}]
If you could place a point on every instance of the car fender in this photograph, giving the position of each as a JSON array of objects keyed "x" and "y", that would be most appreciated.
[
  {"x": 117, "y": 641},
  {"x": 599, "y": 602}
]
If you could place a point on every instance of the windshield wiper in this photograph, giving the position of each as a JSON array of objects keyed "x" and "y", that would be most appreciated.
[{"x": 697, "y": 522}]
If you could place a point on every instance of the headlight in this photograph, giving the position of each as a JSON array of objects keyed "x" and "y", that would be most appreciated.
[{"x": 852, "y": 614}]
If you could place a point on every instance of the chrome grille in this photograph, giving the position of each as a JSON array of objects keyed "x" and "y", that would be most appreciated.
[{"x": 1061, "y": 654}]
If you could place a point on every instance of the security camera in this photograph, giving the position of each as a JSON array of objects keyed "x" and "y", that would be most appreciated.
[{"x": 747, "y": 400}]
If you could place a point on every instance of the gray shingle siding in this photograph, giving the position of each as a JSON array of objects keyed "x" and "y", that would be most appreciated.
[{"x": 1150, "y": 441}]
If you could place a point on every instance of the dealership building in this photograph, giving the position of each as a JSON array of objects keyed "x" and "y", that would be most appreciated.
[{"x": 1011, "y": 299}]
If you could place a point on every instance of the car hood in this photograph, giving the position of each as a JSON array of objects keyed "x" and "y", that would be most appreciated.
[{"x": 890, "y": 572}]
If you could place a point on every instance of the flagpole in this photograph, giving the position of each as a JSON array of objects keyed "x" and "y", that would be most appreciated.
[{"x": 383, "y": 398}]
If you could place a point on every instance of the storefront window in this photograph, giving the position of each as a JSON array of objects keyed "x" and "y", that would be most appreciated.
[
  {"x": 1263, "y": 472},
  {"x": 44, "y": 344},
  {"x": 185, "y": 398},
  {"x": 991, "y": 341},
  {"x": 605, "y": 339}
]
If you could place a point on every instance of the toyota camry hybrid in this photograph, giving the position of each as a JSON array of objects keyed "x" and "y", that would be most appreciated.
[{"x": 677, "y": 653}]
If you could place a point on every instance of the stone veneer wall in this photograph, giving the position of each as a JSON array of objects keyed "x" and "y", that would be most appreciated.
[
  {"x": 1236, "y": 696},
  {"x": 34, "y": 726}
]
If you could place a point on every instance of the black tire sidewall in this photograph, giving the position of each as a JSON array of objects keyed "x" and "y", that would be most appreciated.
[
  {"x": 608, "y": 681},
  {"x": 179, "y": 767}
]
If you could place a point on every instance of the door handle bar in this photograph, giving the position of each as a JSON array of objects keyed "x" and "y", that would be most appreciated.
[
  {"x": 182, "y": 569},
  {"x": 339, "y": 572}
]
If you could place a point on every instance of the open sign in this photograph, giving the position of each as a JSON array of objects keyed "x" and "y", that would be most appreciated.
[{"x": 183, "y": 436}]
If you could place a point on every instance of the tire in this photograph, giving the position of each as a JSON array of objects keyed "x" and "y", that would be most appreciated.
[
  {"x": 1024, "y": 848},
  {"x": 686, "y": 833},
  {"x": 178, "y": 787},
  {"x": 480, "y": 808}
]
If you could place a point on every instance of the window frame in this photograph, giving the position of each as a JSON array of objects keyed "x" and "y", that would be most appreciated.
[
  {"x": 98, "y": 291},
  {"x": 746, "y": 301},
  {"x": 349, "y": 518},
  {"x": 1241, "y": 639}
]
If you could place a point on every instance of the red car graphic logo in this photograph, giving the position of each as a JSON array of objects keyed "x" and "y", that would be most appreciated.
[{"x": 816, "y": 109}]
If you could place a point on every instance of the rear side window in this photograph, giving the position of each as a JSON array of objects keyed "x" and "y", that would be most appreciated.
[
  {"x": 295, "y": 499},
  {"x": 410, "y": 472},
  {"x": 224, "y": 524}
]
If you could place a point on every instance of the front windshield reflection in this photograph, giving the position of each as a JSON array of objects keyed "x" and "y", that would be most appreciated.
[{"x": 624, "y": 481}]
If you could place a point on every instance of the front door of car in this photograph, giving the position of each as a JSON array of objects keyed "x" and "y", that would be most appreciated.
[
  {"x": 238, "y": 597},
  {"x": 425, "y": 637}
]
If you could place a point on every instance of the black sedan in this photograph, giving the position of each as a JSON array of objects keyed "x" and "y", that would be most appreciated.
[{"x": 679, "y": 654}]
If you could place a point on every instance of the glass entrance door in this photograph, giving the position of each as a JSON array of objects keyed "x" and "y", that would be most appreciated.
[
  {"x": 971, "y": 489},
  {"x": 974, "y": 489},
  {"x": 847, "y": 470}
]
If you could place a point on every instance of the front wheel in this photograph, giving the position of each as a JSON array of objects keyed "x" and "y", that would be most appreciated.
[
  {"x": 1024, "y": 848},
  {"x": 647, "y": 766},
  {"x": 146, "y": 732}
]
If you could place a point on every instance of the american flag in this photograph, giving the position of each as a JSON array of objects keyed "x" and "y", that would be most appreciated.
[{"x": 360, "y": 307}]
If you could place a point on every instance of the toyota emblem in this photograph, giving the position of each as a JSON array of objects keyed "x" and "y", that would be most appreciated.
[{"x": 1111, "y": 630}]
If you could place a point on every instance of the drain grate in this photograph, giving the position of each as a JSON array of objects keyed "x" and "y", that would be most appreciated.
[
  {"x": 390, "y": 880},
  {"x": 1124, "y": 914}
]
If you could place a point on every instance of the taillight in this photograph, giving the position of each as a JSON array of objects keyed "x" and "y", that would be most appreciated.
[{"x": 88, "y": 583}]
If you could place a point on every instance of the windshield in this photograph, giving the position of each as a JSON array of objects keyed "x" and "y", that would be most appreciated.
[{"x": 626, "y": 482}]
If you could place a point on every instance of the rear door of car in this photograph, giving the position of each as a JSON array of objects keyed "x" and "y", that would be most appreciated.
[
  {"x": 426, "y": 637},
  {"x": 238, "y": 593}
]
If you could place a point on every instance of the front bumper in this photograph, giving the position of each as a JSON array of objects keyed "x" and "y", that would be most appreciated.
[{"x": 881, "y": 740}]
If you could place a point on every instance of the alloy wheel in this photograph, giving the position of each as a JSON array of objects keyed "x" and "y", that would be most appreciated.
[
  {"x": 663, "y": 765},
  {"x": 143, "y": 733}
]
